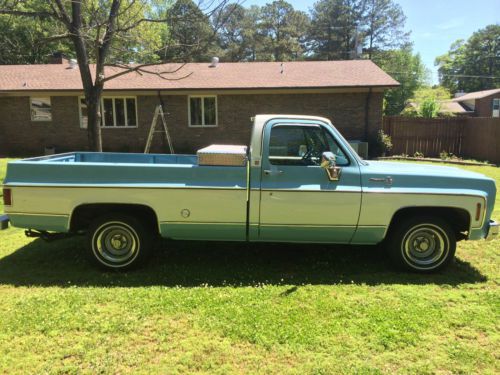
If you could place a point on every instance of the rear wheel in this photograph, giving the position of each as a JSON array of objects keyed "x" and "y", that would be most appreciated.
[
  {"x": 422, "y": 244},
  {"x": 118, "y": 241}
]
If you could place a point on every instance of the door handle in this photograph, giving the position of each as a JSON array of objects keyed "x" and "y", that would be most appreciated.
[
  {"x": 387, "y": 180},
  {"x": 271, "y": 171}
]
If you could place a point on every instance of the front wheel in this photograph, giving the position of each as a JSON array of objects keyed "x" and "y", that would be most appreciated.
[
  {"x": 118, "y": 241},
  {"x": 422, "y": 244}
]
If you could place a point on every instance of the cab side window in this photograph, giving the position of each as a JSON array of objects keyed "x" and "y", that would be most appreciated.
[{"x": 302, "y": 145}]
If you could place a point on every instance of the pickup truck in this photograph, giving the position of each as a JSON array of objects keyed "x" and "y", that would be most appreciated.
[{"x": 298, "y": 181}]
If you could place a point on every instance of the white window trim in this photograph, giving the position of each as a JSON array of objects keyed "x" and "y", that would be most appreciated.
[
  {"x": 495, "y": 113},
  {"x": 80, "y": 118},
  {"x": 114, "y": 113},
  {"x": 203, "y": 111},
  {"x": 31, "y": 103}
]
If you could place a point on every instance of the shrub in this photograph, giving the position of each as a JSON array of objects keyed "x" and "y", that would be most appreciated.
[
  {"x": 381, "y": 144},
  {"x": 418, "y": 154},
  {"x": 429, "y": 108}
]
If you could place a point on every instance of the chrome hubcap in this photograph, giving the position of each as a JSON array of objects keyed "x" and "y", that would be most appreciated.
[
  {"x": 118, "y": 241},
  {"x": 425, "y": 246},
  {"x": 116, "y": 244}
]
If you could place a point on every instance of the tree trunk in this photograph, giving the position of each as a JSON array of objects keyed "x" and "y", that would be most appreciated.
[{"x": 94, "y": 120}]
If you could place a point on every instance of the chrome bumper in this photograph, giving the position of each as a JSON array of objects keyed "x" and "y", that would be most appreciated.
[{"x": 493, "y": 230}]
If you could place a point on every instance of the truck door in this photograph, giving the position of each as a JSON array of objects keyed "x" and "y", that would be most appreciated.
[{"x": 299, "y": 203}]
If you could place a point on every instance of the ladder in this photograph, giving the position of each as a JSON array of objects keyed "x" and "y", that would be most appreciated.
[{"x": 158, "y": 113}]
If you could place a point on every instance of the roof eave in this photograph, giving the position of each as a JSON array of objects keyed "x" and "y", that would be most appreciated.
[{"x": 163, "y": 89}]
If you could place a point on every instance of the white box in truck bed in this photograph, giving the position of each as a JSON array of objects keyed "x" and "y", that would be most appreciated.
[{"x": 229, "y": 155}]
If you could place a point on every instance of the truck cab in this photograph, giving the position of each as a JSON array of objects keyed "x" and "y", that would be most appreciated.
[{"x": 292, "y": 198}]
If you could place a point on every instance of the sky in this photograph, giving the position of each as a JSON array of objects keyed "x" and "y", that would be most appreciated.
[{"x": 434, "y": 24}]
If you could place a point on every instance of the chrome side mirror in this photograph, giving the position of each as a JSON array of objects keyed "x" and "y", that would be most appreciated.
[{"x": 329, "y": 163}]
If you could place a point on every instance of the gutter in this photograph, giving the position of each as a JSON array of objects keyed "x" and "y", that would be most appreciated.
[{"x": 182, "y": 90}]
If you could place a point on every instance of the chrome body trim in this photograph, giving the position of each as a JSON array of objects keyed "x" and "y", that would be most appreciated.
[
  {"x": 37, "y": 214},
  {"x": 128, "y": 186}
]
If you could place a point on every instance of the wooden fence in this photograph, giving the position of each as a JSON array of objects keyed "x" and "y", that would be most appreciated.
[{"x": 470, "y": 137}]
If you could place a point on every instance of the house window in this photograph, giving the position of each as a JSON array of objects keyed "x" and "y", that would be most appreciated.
[
  {"x": 84, "y": 117},
  {"x": 496, "y": 107},
  {"x": 202, "y": 111},
  {"x": 41, "y": 109},
  {"x": 119, "y": 112}
]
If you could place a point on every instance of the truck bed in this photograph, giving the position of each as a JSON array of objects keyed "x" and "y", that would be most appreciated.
[
  {"x": 190, "y": 201},
  {"x": 96, "y": 168}
]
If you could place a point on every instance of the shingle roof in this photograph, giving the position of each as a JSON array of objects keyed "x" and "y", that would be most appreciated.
[
  {"x": 249, "y": 75},
  {"x": 446, "y": 106},
  {"x": 476, "y": 95},
  {"x": 453, "y": 107}
]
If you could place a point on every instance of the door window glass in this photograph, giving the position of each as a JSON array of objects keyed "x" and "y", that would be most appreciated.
[{"x": 302, "y": 145}]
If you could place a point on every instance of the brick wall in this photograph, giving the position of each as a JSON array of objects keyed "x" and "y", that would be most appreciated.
[
  {"x": 347, "y": 111},
  {"x": 21, "y": 136},
  {"x": 484, "y": 106}
]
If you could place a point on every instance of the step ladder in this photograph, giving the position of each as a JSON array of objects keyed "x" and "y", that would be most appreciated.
[{"x": 158, "y": 114}]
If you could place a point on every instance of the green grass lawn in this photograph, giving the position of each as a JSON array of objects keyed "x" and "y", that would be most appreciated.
[{"x": 231, "y": 308}]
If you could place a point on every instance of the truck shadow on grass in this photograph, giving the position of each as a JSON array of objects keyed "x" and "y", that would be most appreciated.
[{"x": 188, "y": 264}]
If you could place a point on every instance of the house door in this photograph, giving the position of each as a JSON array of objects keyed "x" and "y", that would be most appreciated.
[{"x": 298, "y": 201}]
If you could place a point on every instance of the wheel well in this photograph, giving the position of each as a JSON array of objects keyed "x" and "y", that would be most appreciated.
[
  {"x": 458, "y": 218},
  {"x": 83, "y": 215}
]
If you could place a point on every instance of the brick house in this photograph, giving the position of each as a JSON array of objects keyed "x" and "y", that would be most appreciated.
[
  {"x": 480, "y": 103},
  {"x": 42, "y": 105}
]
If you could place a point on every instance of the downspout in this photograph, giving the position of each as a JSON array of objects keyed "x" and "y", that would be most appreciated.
[{"x": 367, "y": 113}]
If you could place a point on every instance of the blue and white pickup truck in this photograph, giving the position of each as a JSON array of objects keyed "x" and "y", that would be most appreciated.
[{"x": 299, "y": 181}]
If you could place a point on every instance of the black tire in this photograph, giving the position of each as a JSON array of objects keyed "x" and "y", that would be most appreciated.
[
  {"x": 422, "y": 244},
  {"x": 118, "y": 241}
]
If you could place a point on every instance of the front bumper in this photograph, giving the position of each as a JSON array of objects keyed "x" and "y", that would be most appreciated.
[{"x": 493, "y": 229}]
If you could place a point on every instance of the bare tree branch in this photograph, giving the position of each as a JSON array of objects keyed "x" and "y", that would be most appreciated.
[
  {"x": 94, "y": 28},
  {"x": 64, "y": 17},
  {"x": 141, "y": 70}
]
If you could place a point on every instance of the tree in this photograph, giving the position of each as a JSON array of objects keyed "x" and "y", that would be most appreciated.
[
  {"x": 239, "y": 38},
  {"x": 335, "y": 27},
  {"x": 252, "y": 33},
  {"x": 283, "y": 29},
  {"x": 190, "y": 33},
  {"x": 407, "y": 68},
  {"x": 231, "y": 36},
  {"x": 438, "y": 93},
  {"x": 107, "y": 33},
  {"x": 428, "y": 102},
  {"x": 383, "y": 26},
  {"x": 27, "y": 41},
  {"x": 340, "y": 27},
  {"x": 472, "y": 65}
]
